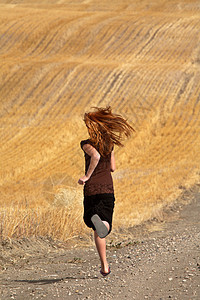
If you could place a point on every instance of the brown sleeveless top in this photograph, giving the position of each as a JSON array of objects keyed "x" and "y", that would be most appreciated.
[{"x": 100, "y": 181}]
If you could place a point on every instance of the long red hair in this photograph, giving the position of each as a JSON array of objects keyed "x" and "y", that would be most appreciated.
[{"x": 106, "y": 129}]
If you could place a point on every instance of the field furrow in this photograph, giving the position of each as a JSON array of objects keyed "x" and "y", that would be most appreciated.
[
  {"x": 10, "y": 36},
  {"x": 57, "y": 60}
]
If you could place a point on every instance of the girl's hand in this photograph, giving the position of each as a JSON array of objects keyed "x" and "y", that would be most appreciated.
[
  {"x": 94, "y": 159},
  {"x": 83, "y": 180}
]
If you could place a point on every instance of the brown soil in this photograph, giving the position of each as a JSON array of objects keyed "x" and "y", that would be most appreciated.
[{"x": 162, "y": 264}]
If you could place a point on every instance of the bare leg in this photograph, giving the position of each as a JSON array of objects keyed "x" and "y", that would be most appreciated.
[{"x": 101, "y": 248}]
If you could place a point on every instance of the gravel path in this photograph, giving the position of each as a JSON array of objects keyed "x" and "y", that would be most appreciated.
[{"x": 163, "y": 265}]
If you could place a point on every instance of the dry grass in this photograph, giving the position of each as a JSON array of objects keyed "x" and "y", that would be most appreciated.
[
  {"x": 61, "y": 220},
  {"x": 58, "y": 60}
]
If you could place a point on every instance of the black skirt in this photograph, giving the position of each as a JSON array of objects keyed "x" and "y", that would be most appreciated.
[{"x": 100, "y": 204}]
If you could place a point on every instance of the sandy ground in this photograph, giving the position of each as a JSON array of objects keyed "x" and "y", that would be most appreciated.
[{"x": 163, "y": 264}]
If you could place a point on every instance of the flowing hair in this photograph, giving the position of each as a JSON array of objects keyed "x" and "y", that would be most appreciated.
[{"x": 106, "y": 129}]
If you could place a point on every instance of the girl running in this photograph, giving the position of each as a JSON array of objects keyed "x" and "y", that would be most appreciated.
[{"x": 105, "y": 130}]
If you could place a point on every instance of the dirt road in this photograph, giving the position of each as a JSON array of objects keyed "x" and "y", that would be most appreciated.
[{"x": 160, "y": 265}]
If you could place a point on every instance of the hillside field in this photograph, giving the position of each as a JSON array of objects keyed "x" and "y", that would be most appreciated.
[{"x": 60, "y": 58}]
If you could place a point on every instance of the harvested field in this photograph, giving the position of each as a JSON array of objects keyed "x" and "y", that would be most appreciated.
[{"x": 60, "y": 58}]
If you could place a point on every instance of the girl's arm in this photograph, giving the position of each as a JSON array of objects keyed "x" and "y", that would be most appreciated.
[
  {"x": 95, "y": 157},
  {"x": 112, "y": 162}
]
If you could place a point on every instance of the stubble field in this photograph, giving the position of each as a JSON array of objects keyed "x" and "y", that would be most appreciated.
[{"x": 60, "y": 58}]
